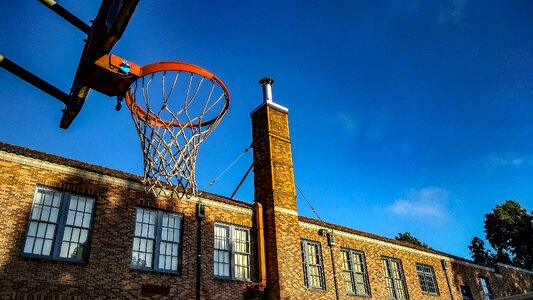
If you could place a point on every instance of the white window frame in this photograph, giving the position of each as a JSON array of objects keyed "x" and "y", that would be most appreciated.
[
  {"x": 350, "y": 273},
  {"x": 161, "y": 248},
  {"x": 313, "y": 266},
  {"x": 238, "y": 262},
  {"x": 57, "y": 223},
  {"x": 427, "y": 279},
  {"x": 486, "y": 288},
  {"x": 397, "y": 280}
]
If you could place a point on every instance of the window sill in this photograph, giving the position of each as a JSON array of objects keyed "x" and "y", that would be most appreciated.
[
  {"x": 315, "y": 289},
  {"x": 430, "y": 294},
  {"x": 52, "y": 260},
  {"x": 359, "y": 295},
  {"x": 231, "y": 279},
  {"x": 177, "y": 274}
]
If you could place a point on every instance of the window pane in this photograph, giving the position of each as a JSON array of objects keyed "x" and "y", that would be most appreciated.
[
  {"x": 38, "y": 246},
  {"x": 54, "y": 214},
  {"x": 50, "y": 231},
  {"x": 28, "y": 247},
  {"x": 32, "y": 229},
  {"x": 70, "y": 217},
  {"x": 89, "y": 205},
  {"x": 57, "y": 200},
  {"x": 73, "y": 203},
  {"x": 45, "y": 213},
  {"x": 86, "y": 220},
  {"x": 64, "y": 249},
  {"x": 47, "y": 197},
  {"x": 78, "y": 218},
  {"x": 41, "y": 230}
]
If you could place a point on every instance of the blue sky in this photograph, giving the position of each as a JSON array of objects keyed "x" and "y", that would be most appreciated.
[{"x": 405, "y": 115}]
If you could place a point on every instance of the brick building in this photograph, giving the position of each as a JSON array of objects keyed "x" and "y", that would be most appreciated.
[{"x": 71, "y": 230}]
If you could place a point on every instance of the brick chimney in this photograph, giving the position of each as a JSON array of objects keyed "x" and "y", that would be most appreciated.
[{"x": 275, "y": 190}]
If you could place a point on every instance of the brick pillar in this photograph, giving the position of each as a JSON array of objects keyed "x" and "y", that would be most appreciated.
[{"x": 275, "y": 190}]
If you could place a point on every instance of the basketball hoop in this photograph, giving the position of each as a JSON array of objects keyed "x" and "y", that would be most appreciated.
[{"x": 175, "y": 106}]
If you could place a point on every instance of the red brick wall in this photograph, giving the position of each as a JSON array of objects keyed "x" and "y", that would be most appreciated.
[
  {"x": 275, "y": 190},
  {"x": 107, "y": 273},
  {"x": 510, "y": 282}
]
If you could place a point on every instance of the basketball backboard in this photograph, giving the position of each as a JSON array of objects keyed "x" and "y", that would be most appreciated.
[
  {"x": 107, "y": 28},
  {"x": 106, "y": 76}
]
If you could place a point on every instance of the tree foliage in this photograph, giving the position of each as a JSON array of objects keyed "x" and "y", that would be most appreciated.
[
  {"x": 408, "y": 238},
  {"x": 479, "y": 253},
  {"x": 509, "y": 231}
]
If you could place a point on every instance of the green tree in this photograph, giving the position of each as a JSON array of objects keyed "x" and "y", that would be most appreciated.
[
  {"x": 479, "y": 253},
  {"x": 509, "y": 231},
  {"x": 408, "y": 238}
]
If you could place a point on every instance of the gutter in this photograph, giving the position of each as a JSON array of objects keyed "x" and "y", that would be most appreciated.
[{"x": 257, "y": 289}]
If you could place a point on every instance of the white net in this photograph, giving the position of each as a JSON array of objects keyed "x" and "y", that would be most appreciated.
[{"x": 174, "y": 111}]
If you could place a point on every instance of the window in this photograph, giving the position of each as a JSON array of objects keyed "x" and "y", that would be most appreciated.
[
  {"x": 485, "y": 286},
  {"x": 355, "y": 275},
  {"x": 394, "y": 279},
  {"x": 60, "y": 226},
  {"x": 232, "y": 252},
  {"x": 313, "y": 270},
  {"x": 466, "y": 292},
  {"x": 426, "y": 276},
  {"x": 157, "y": 241}
]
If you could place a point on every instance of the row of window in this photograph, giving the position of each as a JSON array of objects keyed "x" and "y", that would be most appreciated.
[
  {"x": 61, "y": 223},
  {"x": 356, "y": 276}
]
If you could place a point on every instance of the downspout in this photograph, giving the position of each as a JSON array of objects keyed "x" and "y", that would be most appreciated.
[
  {"x": 260, "y": 244},
  {"x": 331, "y": 244},
  {"x": 200, "y": 215},
  {"x": 257, "y": 289},
  {"x": 445, "y": 268}
]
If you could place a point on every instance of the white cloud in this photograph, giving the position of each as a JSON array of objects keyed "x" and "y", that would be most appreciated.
[
  {"x": 493, "y": 161},
  {"x": 347, "y": 122},
  {"x": 452, "y": 14},
  {"x": 428, "y": 204}
]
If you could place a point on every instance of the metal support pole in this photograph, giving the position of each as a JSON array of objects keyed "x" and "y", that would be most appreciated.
[
  {"x": 242, "y": 180},
  {"x": 33, "y": 79},
  {"x": 67, "y": 15}
]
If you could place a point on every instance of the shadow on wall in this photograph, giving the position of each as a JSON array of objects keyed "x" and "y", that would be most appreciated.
[
  {"x": 503, "y": 282},
  {"x": 42, "y": 255},
  {"x": 99, "y": 268}
]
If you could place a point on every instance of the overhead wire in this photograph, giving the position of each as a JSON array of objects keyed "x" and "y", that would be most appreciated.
[{"x": 225, "y": 170}]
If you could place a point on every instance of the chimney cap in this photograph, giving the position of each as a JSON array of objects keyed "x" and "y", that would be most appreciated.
[{"x": 265, "y": 81}]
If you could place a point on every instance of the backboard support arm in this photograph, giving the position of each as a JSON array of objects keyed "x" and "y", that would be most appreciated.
[
  {"x": 67, "y": 15},
  {"x": 33, "y": 79}
]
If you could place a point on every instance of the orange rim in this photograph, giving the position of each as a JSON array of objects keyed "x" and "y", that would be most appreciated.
[{"x": 174, "y": 66}]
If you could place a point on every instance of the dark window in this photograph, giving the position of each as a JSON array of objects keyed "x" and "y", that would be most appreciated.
[
  {"x": 60, "y": 226},
  {"x": 232, "y": 252},
  {"x": 485, "y": 286},
  {"x": 355, "y": 274},
  {"x": 157, "y": 241},
  {"x": 394, "y": 278},
  {"x": 312, "y": 261},
  {"x": 466, "y": 292},
  {"x": 426, "y": 276}
]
